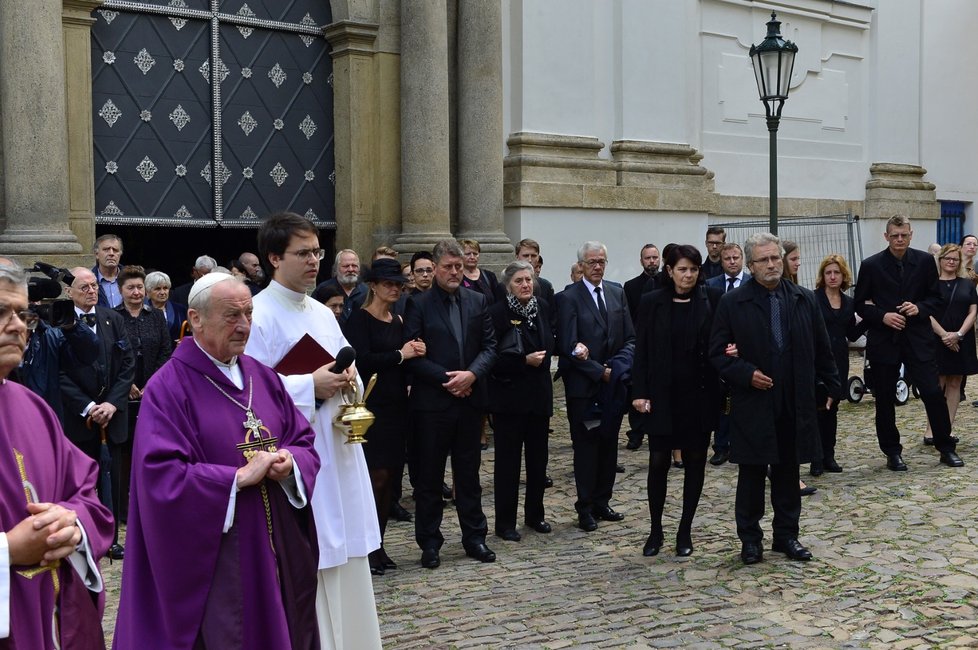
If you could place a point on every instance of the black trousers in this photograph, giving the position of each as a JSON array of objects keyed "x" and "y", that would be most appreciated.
[
  {"x": 595, "y": 457},
  {"x": 923, "y": 375},
  {"x": 438, "y": 434},
  {"x": 785, "y": 497},
  {"x": 828, "y": 425},
  {"x": 513, "y": 433}
]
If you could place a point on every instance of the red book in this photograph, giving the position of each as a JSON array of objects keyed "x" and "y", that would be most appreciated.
[{"x": 305, "y": 357}]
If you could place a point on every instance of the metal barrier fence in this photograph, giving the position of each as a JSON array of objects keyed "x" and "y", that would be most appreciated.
[{"x": 816, "y": 237}]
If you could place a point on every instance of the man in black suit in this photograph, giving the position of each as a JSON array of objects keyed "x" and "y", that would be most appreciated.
[
  {"x": 896, "y": 295},
  {"x": 595, "y": 343},
  {"x": 634, "y": 288},
  {"x": 732, "y": 260},
  {"x": 716, "y": 237},
  {"x": 449, "y": 398},
  {"x": 770, "y": 345},
  {"x": 96, "y": 396}
]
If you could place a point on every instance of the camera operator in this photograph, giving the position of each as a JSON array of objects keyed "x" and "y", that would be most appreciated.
[{"x": 53, "y": 340}]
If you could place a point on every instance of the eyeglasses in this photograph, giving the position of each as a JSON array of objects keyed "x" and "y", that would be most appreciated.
[
  {"x": 899, "y": 235},
  {"x": 85, "y": 288},
  {"x": 767, "y": 260},
  {"x": 423, "y": 271},
  {"x": 26, "y": 316},
  {"x": 307, "y": 253},
  {"x": 594, "y": 263},
  {"x": 951, "y": 259},
  {"x": 714, "y": 243}
]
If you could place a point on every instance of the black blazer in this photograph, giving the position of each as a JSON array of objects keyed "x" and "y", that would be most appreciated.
[
  {"x": 514, "y": 386},
  {"x": 634, "y": 289},
  {"x": 578, "y": 321},
  {"x": 742, "y": 318},
  {"x": 842, "y": 328},
  {"x": 652, "y": 367},
  {"x": 107, "y": 380},
  {"x": 880, "y": 289},
  {"x": 720, "y": 281},
  {"x": 426, "y": 318}
]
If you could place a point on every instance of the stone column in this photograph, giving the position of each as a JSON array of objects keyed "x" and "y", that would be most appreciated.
[
  {"x": 34, "y": 130},
  {"x": 425, "y": 201},
  {"x": 480, "y": 130},
  {"x": 354, "y": 117},
  {"x": 77, "y": 22}
]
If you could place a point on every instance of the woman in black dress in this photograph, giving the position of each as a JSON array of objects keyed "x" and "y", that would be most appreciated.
[
  {"x": 521, "y": 399},
  {"x": 954, "y": 329},
  {"x": 839, "y": 312},
  {"x": 675, "y": 384},
  {"x": 376, "y": 334}
]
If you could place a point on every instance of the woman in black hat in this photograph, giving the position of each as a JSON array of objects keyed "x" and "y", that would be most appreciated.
[{"x": 374, "y": 331}]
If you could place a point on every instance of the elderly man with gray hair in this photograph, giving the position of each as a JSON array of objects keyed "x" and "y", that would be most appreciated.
[
  {"x": 346, "y": 278},
  {"x": 770, "y": 345},
  {"x": 202, "y": 266}
]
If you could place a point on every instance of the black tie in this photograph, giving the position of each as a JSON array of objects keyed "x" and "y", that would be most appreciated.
[
  {"x": 455, "y": 316},
  {"x": 601, "y": 307},
  {"x": 89, "y": 319},
  {"x": 776, "y": 320},
  {"x": 730, "y": 283}
]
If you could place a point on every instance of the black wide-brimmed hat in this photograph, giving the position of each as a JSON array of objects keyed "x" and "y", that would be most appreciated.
[{"x": 384, "y": 269}]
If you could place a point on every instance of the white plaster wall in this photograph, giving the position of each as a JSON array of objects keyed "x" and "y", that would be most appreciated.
[
  {"x": 949, "y": 94},
  {"x": 561, "y": 232}
]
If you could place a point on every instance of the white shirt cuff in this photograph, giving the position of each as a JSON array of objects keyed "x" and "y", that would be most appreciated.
[
  {"x": 229, "y": 515},
  {"x": 4, "y": 587},
  {"x": 295, "y": 487},
  {"x": 83, "y": 562},
  {"x": 88, "y": 408}
]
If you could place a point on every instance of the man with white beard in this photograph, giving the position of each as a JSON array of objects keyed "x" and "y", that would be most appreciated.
[{"x": 346, "y": 276}]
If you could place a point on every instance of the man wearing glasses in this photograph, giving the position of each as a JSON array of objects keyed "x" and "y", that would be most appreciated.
[
  {"x": 716, "y": 237},
  {"x": 96, "y": 396},
  {"x": 423, "y": 270},
  {"x": 594, "y": 334},
  {"x": 896, "y": 294}
]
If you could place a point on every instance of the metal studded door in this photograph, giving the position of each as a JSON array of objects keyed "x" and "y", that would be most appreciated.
[{"x": 212, "y": 112}]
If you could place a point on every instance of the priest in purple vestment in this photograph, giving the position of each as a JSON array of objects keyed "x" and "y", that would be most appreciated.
[
  {"x": 221, "y": 547},
  {"x": 52, "y": 526}
]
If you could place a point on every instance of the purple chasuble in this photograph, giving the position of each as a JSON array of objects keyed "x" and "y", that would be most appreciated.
[
  {"x": 185, "y": 583},
  {"x": 32, "y": 444}
]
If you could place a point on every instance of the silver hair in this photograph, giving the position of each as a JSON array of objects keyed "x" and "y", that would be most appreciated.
[
  {"x": 589, "y": 246},
  {"x": 515, "y": 267},
  {"x": 205, "y": 262},
  {"x": 201, "y": 302},
  {"x": 157, "y": 279},
  {"x": 760, "y": 239},
  {"x": 12, "y": 273},
  {"x": 340, "y": 254},
  {"x": 445, "y": 248}
]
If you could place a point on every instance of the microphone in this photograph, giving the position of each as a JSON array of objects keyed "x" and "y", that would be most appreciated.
[{"x": 344, "y": 359}]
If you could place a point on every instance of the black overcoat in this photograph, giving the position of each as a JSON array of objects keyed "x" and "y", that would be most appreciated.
[{"x": 742, "y": 318}]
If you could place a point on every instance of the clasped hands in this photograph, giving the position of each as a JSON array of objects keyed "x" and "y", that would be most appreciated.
[
  {"x": 898, "y": 319},
  {"x": 102, "y": 413},
  {"x": 50, "y": 533},
  {"x": 459, "y": 382},
  {"x": 276, "y": 465}
]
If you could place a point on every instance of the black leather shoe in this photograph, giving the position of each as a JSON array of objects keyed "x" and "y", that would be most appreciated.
[
  {"x": 481, "y": 552},
  {"x": 652, "y": 545},
  {"x": 720, "y": 457},
  {"x": 792, "y": 548},
  {"x": 619, "y": 468},
  {"x": 895, "y": 463},
  {"x": 605, "y": 513},
  {"x": 586, "y": 522},
  {"x": 684, "y": 545},
  {"x": 832, "y": 466},
  {"x": 817, "y": 469},
  {"x": 430, "y": 559},
  {"x": 399, "y": 513},
  {"x": 807, "y": 491},
  {"x": 928, "y": 442},
  {"x": 386, "y": 560},
  {"x": 951, "y": 459},
  {"x": 751, "y": 553},
  {"x": 510, "y": 535},
  {"x": 634, "y": 440},
  {"x": 117, "y": 552},
  {"x": 678, "y": 464},
  {"x": 541, "y": 526},
  {"x": 548, "y": 482}
]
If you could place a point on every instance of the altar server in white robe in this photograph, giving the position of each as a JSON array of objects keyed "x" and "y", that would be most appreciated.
[{"x": 342, "y": 502}]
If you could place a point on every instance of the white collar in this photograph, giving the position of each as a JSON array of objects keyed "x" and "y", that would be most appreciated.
[
  {"x": 592, "y": 287},
  {"x": 231, "y": 370}
]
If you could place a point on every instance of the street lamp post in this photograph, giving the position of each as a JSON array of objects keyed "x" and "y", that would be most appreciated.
[{"x": 774, "y": 60}]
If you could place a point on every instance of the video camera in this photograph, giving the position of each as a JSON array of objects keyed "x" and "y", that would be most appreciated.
[{"x": 44, "y": 294}]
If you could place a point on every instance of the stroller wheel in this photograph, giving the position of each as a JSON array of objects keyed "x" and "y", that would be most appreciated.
[
  {"x": 902, "y": 392},
  {"x": 856, "y": 389}
]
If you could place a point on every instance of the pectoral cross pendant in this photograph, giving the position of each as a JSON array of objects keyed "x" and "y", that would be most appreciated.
[{"x": 254, "y": 441}]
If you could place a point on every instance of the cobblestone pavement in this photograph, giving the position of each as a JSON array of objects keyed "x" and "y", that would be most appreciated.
[{"x": 896, "y": 562}]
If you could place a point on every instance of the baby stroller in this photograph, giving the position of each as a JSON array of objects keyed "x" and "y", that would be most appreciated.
[{"x": 859, "y": 386}]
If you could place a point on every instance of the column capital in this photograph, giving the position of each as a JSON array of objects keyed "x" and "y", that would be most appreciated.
[
  {"x": 349, "y": 36},
  {"x": 79, "y": 12}
]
